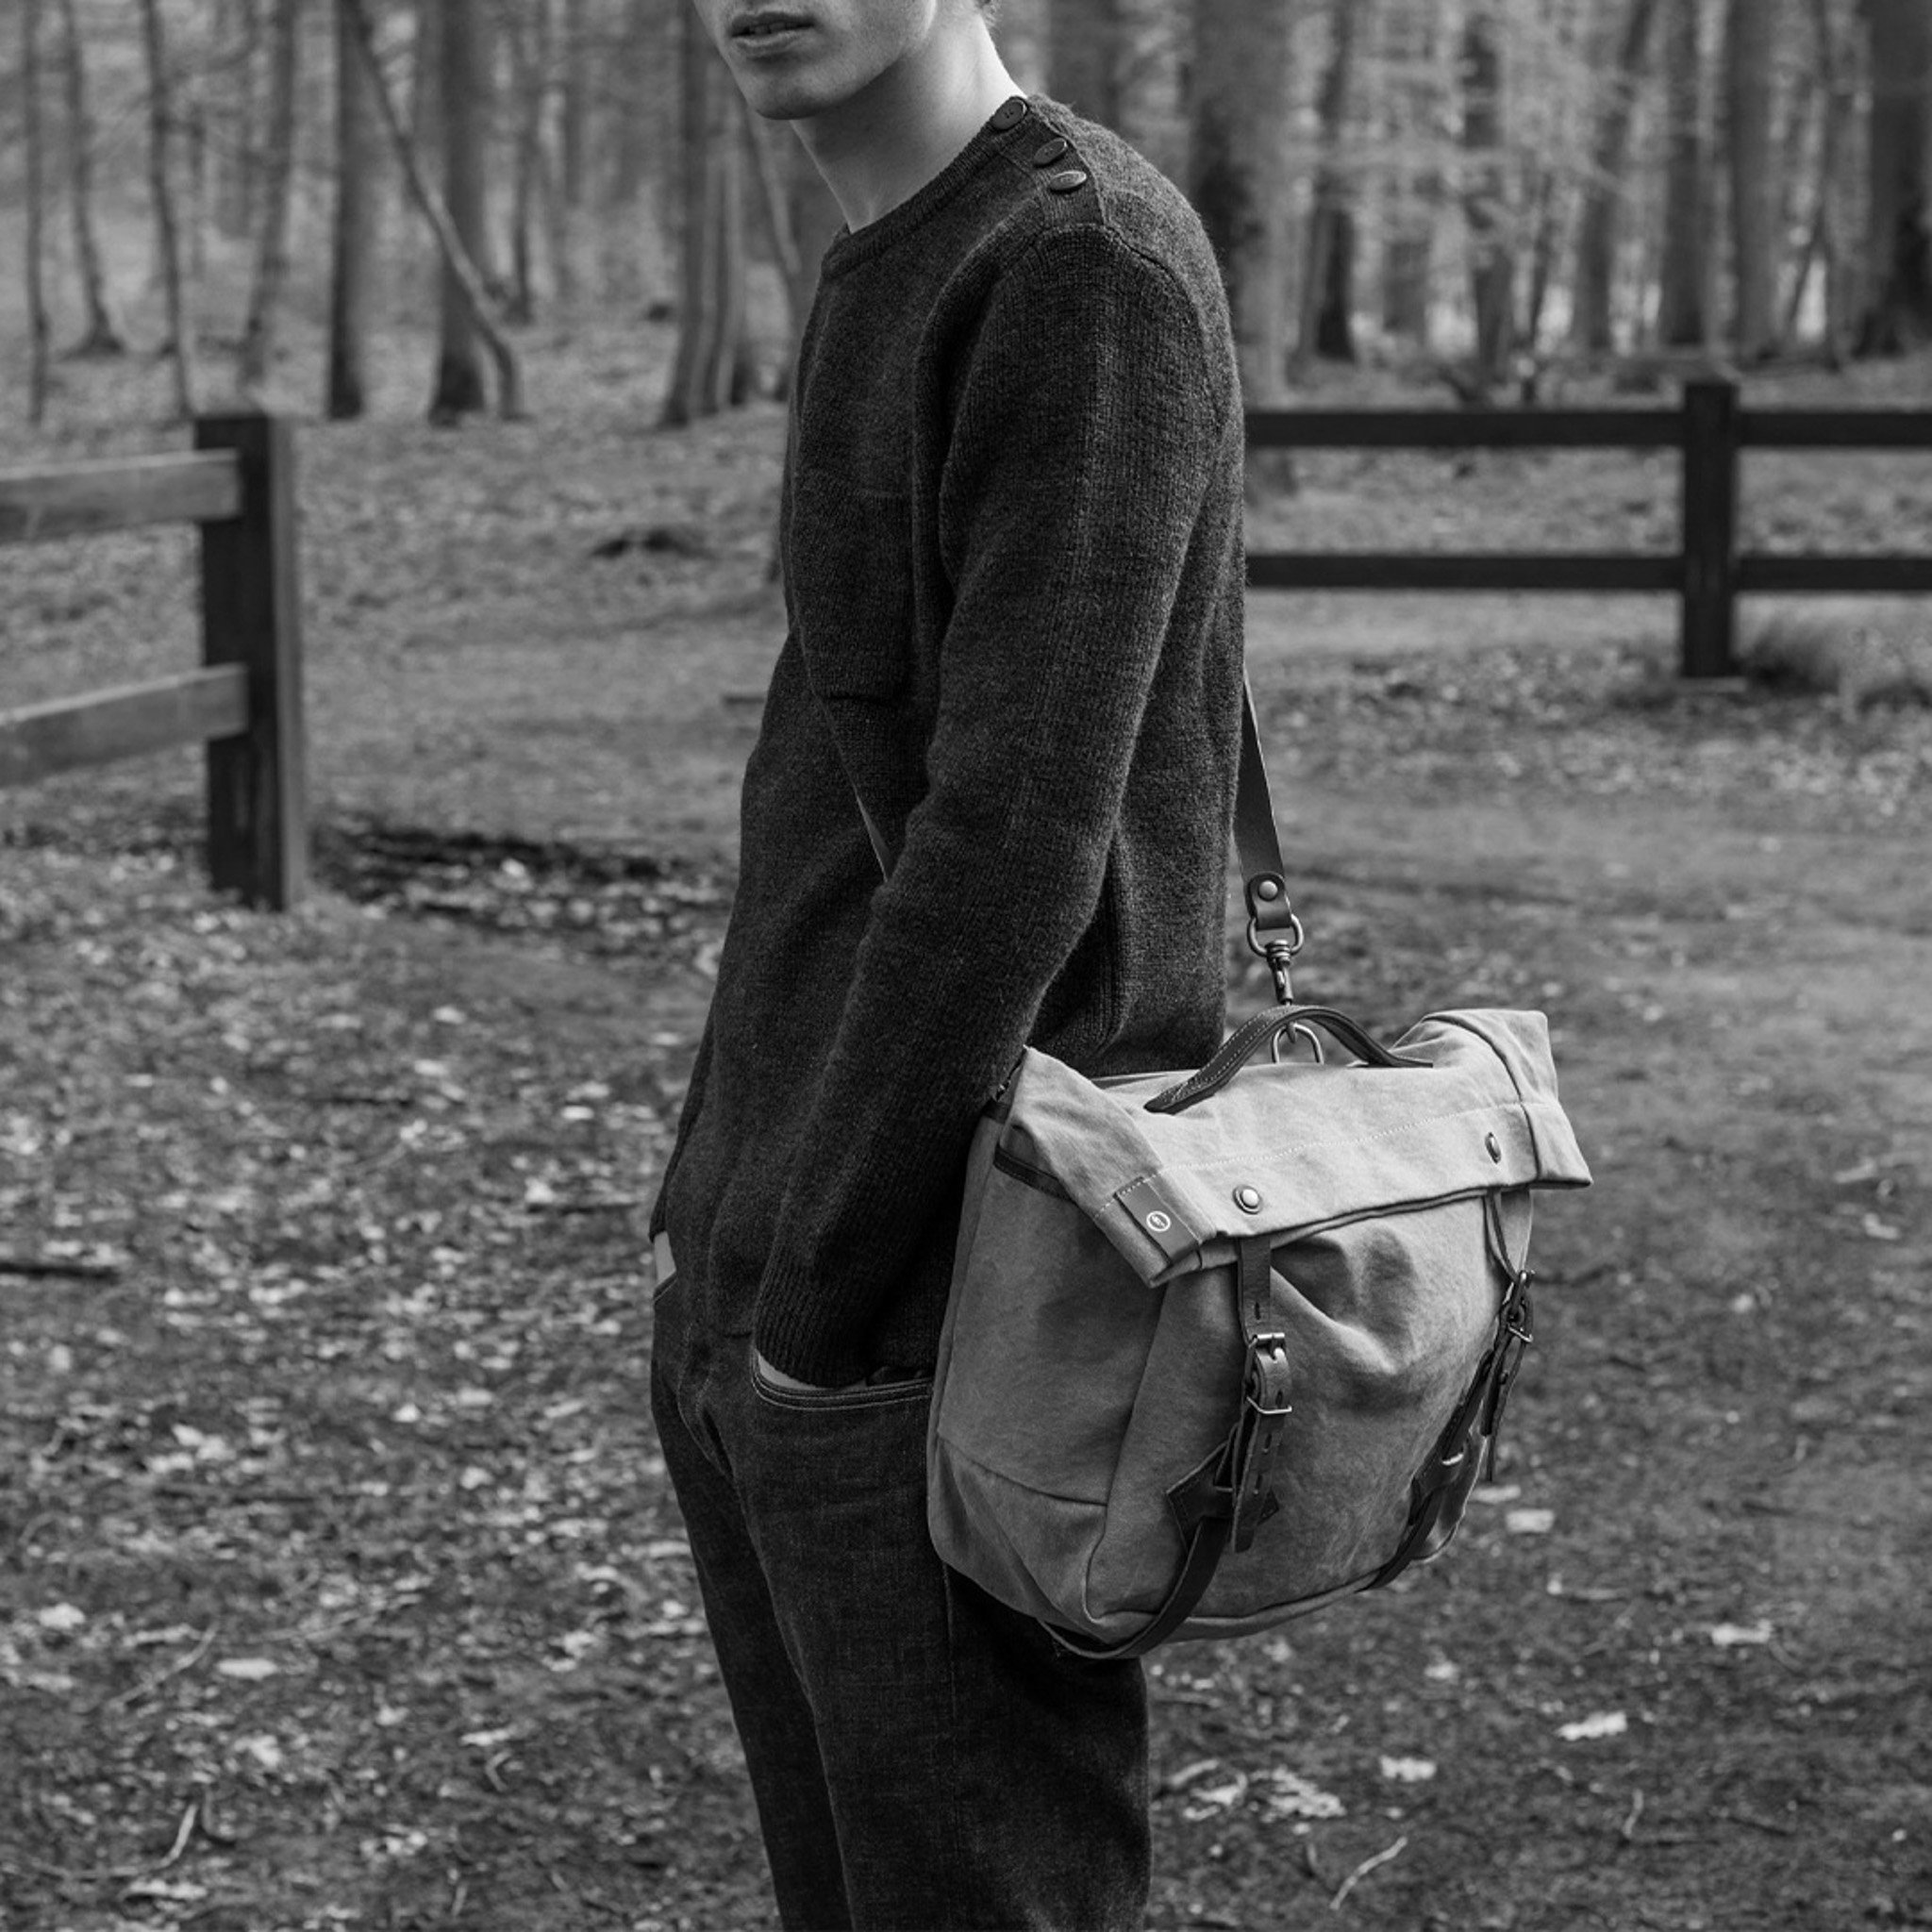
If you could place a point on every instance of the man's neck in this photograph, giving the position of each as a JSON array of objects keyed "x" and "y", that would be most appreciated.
[{"x": 884, "y": 144}]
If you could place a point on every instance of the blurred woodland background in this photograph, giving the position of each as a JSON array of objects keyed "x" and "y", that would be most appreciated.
[{"x": 1488, "y": 191}]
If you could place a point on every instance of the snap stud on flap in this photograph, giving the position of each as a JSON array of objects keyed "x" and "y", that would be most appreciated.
[
  {"x": 1494, "y": 1145},
  {"x": 1248, "y": 1199}
]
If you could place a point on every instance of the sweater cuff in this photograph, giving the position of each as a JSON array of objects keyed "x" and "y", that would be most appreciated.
[{"x": 795, "y": 1330}]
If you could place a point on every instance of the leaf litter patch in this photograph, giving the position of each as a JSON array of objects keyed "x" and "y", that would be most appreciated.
[{"x": 609, "y": 901}]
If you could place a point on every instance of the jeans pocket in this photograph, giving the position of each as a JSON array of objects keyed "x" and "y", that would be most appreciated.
[{"x": 854, "y": 1396}]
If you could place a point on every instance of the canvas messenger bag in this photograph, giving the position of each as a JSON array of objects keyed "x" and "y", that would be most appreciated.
[{"x": 1225, "y": 1345}]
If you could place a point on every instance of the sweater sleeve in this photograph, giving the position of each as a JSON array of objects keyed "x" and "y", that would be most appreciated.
[{"x": 1085, "y": 438}]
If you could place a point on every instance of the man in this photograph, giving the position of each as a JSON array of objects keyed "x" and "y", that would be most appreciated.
[{"x": 1011, "y": 533}]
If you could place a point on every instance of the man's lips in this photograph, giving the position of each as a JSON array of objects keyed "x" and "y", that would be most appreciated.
[{"x": 766, "y": 21}]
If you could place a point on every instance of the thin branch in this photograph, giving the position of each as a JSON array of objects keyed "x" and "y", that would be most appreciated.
[
  {"x": 456, "y": 258},
  {"x": 1362, "y": 1871}
]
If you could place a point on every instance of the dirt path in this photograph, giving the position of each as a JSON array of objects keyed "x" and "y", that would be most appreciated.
[{"x": 331, "y": 1532}]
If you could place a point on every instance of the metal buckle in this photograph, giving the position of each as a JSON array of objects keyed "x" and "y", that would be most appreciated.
[
  {"x": 1279, "y": 953},
  {"x": 1272, "y": 1345}
]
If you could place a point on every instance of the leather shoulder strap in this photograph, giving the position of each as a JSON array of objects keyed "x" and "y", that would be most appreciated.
[{"x": 1257, "y": 843}]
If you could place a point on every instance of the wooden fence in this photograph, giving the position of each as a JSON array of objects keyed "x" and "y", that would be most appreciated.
[
  {"x": 1708, "y": 574},
  {"x": 244, "y": 703}
]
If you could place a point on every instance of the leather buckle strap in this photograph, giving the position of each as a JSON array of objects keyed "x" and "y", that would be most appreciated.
[{"x": 1265, "y": 1409}]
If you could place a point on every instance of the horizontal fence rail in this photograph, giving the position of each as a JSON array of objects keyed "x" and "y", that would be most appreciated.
[
  {"x": 78, "y": 499},
  {"x": 244, "y": 704},
  {"x": 1707, "y": 572},
  {"x": 189, "y": 708}
]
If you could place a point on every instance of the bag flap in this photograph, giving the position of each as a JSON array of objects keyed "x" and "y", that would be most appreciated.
[{"x": 1283, "y": 1150}]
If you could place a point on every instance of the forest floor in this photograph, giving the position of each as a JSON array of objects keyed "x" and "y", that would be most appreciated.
[{"x": 340, "y": 1582}]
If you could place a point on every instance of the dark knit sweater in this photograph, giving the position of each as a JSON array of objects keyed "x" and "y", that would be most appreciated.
[{"x": 1011, "y": 538}]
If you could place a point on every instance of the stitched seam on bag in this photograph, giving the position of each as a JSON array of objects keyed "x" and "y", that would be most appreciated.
[{"x": 1246, "y": 1164}]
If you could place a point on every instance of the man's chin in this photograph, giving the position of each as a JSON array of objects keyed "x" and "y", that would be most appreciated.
[{"x": 786, "y": 98}]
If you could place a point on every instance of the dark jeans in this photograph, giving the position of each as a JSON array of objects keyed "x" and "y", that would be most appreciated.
[{"x": 922, "y": 1757}]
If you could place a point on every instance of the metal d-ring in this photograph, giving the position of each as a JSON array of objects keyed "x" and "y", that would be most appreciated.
[{"x": 1293, "y": 1030}]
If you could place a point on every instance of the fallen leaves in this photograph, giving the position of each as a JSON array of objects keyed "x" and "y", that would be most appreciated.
[
  {"x": 360, "y": 1381},
  {"x": 1598, "y": 1724}
]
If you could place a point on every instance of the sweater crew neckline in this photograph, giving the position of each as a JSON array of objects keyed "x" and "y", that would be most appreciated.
[{"x": 848, "y": 249}]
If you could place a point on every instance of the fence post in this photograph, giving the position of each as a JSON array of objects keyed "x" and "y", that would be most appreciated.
[
  {"x": 1709, "y": 628},
  {"x": 257, "y": 812}
]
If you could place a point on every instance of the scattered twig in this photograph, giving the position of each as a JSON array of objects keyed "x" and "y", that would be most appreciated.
[
  {"x": 183, "y": 1832},
  {"x": 58, "y": 1268},
  {"x": 1627, "y": 1830},
  {"x": 96, "y": 1874},
  {"x": 1362, "y": 1871},
  {"x": 599, "y": 1204},
  {"x": 148, "y": 1686},
  {"x": 1770, "y": 1824}
]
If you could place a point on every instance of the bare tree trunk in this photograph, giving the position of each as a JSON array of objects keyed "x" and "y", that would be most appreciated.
[
  {"x": 35, "y": 168},
  {"x": 272, "y": 246},
  {"x": 1684, "y": 270},
  {"x": 1485, "y": 198},
  {"x": 425, "y": 77},
  {"x": 422, "y": 274},
  {"x": 1898, "y": 304},
  {"x": 160, "y": 114},
  {"x": 352, "y": 249},
  {"x": 529, "y": 46},
  {"x": 461, "y": 389},
  {"x": 1149, "y": 53},
  {"x": 455, "y": 261},
  {"x": 713, "y": 367},
  {"x": 1545, "y": 236},
  {"x": 1413, "y": 195},
  {"x": 1750, "y": 93},
  {"x": 1328, "y": 317},
  {"x": 1593, "y": 326},
  {"x": 1080, "y": 56},
  {"x": 574, "y": 132},
  {"x": 229, "y": 149},
  {"x": 1822, "y": 247},
  {"x": 103, "y": 335},
  {"x": 632, "y": 147},
  {"x": 570, "y": 184},
  {"x": 1241, "y": 181}
]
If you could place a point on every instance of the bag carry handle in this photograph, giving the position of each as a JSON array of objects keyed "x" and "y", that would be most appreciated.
[{"x": 1246, "y": 1040}]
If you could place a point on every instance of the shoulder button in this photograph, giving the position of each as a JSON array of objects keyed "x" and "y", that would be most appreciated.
[
  {"x": 1067, "y": 181},
  {"x": 1048, "y": 152},
  {"x": 1009, "y": 113}
]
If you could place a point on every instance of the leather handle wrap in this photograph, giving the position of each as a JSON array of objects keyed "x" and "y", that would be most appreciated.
[{"x": 1246, "y": 1040}]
